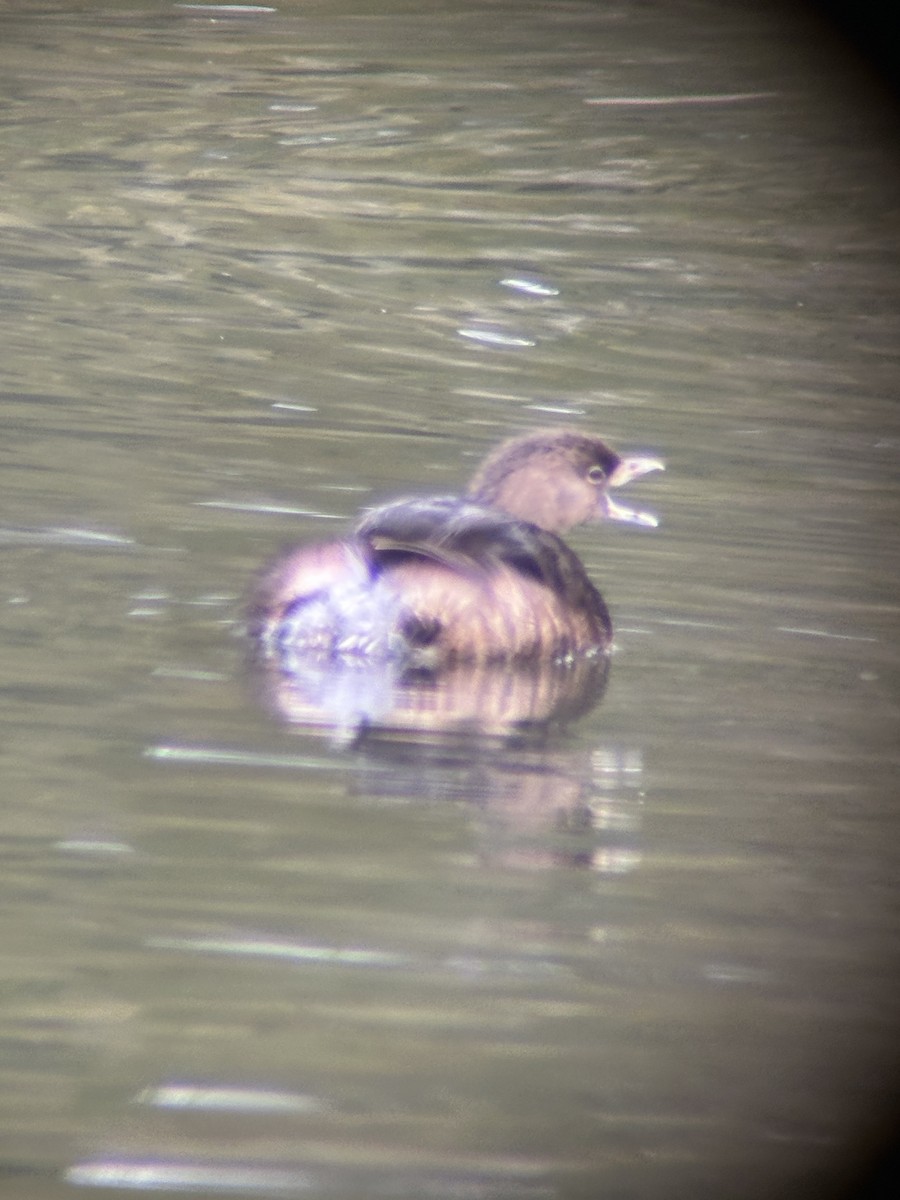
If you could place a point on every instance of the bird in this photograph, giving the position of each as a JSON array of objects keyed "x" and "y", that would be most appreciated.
[{"x": 428, "y": 583}]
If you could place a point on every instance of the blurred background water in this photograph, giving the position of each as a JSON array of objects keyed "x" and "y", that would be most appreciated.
[{"x": 264, "y": 266}]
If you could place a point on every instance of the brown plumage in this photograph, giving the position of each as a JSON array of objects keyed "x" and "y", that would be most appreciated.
[{"x": 435, "y": 581}]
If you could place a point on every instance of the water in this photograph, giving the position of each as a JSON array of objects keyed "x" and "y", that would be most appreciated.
[{"x": 261, "y": 270}]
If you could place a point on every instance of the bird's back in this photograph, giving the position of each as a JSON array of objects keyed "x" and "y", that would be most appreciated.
[{"x": 436, "y": 581}]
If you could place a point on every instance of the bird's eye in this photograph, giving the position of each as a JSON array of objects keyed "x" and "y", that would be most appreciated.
[{"x": 596, "y": 475}]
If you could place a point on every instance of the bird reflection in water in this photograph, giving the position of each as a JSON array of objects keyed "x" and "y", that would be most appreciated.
[{"x": 445, "y": 622}]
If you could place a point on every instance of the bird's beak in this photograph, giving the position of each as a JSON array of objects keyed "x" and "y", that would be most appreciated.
[{"x": 628, "y": 469}]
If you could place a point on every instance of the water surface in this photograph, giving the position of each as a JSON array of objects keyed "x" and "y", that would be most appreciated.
[{"x": 263, "y": 268}]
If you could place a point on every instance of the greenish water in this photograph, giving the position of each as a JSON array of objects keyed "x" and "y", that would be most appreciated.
[{"x": 261, "y": 270}]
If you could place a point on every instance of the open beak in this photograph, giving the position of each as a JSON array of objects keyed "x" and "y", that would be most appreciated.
[{"x": 628, "y": 469}]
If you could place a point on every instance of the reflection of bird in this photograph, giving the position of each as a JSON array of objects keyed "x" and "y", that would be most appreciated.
[{"x": 441, "y": 580}]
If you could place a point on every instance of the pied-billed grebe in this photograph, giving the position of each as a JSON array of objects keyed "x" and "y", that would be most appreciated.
[{"x": 431, "y": 582}]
